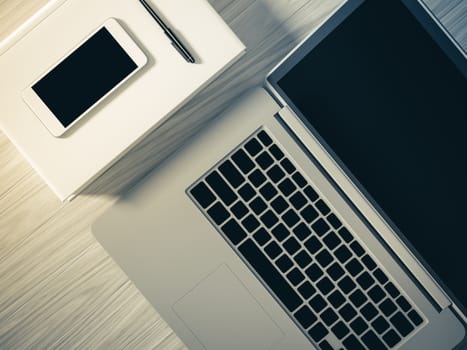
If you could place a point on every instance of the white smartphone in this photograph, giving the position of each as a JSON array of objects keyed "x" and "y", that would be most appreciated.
[{"x": 84, "y": 77}]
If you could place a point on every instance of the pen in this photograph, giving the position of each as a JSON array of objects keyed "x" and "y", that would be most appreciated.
[{"x": 173, "y": 38}]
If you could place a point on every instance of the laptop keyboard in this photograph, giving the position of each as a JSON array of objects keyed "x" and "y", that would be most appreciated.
[{"x": 325, "y": 280}]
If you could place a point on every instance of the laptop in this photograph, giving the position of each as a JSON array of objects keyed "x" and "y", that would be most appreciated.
[{"x": 324, "y": 210}]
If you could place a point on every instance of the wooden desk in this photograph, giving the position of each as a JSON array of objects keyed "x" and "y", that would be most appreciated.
[{"x": 58, "y": 287}]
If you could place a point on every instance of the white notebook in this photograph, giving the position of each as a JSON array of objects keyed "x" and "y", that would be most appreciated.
[{"x": 68, "y": 164}]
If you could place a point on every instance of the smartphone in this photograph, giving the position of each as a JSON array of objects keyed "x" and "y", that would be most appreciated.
[{"x": 88, "y": 74}]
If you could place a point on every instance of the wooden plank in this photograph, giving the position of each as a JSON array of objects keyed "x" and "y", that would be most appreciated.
[{"x": 453, "y": 16}]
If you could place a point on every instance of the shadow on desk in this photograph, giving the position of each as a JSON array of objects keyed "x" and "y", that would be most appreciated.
[{"x": 269, "y": 29}]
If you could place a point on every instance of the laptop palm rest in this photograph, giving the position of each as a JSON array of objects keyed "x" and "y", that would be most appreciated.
[{"x": 223, "y": 314}]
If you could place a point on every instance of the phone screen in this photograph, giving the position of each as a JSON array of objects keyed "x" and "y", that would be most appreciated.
[{"x": 84, "y": 77}]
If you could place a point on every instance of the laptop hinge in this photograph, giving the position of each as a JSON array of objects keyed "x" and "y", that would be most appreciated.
[{"x": 298, "y": 129}]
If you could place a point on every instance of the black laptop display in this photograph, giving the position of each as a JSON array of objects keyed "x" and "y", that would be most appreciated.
[{"x": 393, "y": 107}]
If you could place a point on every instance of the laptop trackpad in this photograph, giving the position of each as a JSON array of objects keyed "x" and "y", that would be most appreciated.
[{"x": 223, "y": 314}]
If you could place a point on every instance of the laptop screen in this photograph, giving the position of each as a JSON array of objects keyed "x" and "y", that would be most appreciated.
[{"x": 393, "y": 108}]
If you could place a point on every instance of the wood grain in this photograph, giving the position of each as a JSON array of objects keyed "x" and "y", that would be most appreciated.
[{"x": 58, "y": 287}]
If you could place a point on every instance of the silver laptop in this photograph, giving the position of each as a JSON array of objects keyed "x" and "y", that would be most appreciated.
[{"x": 325, "y": 210}]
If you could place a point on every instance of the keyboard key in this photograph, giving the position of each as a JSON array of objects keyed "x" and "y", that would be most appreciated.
[
  {"x": 218, "y": 213},
  {"x": 354, "y": 267},
  {"x": 347, "y": 312},
  {"x": 401, "y": 323},
  {"x": 242, "y": 160},
  {"x": 325, "y": 285},
  {"x": 288, "y": 166},
  {"x": 287, "y": 187},
  {"x": 264, "y": 160},
  {"x": 352, "y": 343},
  {"x": 279, "y": 205},
  {"x": 264, "y": 138},
  {"x": 324, "y": 345},
  {"x": 318, "y": 332},
  {"x": 230, "y": 172},
  {"x": 273, "y": 250},
  {"x": 295, "y": 276},
  {"x": 380, "y": 276},
  {"x": 257, "y": 178},
  {"x": 368, "y": 262},
  {"x": 306, "y": 290},
  {"x": 310, "y": 193},
  {"x": 359, "y": 325},
  {"x": 336, "y": 299},
  {"x": 221, "y": 188},
  {"x": 340, "y": 330},
  {"x": 415, "y": 318},
  {"x": 270, "y": 275},
  {"x": 345, "y": 234},
  {"x": 299, "y": 179},
  {"x": 391, "y": 338},
  {"x": 380, "y": 325},
  {"x": 309, "y": 214},
  {"x": 239, "y": 210},
  {"x": 246, "y": 192},
  {"x": 298, "y": 200},
  {"x": 268, "y": 191},
  {"x": 258, "y": 205},
  {"x": 346, "y": 285},
  {"x": 357, "y": 248},
  {"x": 328, "y": 316},
  {"x": 302, "y": 259},
  {"x": 250, "y": 223},
  {"x": 253, "y": 147},
  {"x": 369, "y": 311},
  {"x": 233, "y": 231},
  {"x": 313, "y": 245},
  {"x": 387, "y": 307},
  {"x": 262, "y": 236},
  {"x": 280, "y": 232},
  {"x": 317, "y": 303},
  {"x": 301, "y": 231},
  {"x": 276, "y": 152},
  {"x": 365, "y": 280},
  {"x": 335, "y": 271},
  {"x": 314, "y": 272},
  {"x": 291, "y": 245},
  {"x": 334, "y": 221},
  {"x": 276, "y": 174},
  {"x": 392, "y": 290},
  {"x": 403, "y": 303},
  {"x": 269, "y": 219},
  {"x": 358, "y": 298},
  {"x": 290, "y": 218},
  {"x": 376, "y": 294},
  {"x": 305, "y": 316},
  {"x": 320, "y": 227},
  {"x": 284, "y": 263},
  {"x": 331, "y": 240},
  {"x": 322, "y": 207},
  {"x": 343, "y": 254},
  {"x": 371, "y": 340},
  {"x": 203, "y": 195},
  {"x": 324, "y": 258}
]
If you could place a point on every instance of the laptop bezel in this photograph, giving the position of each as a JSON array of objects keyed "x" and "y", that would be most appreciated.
[
  {"x": 447, "y": 44},
  {"x": 427, "y": 19}
]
